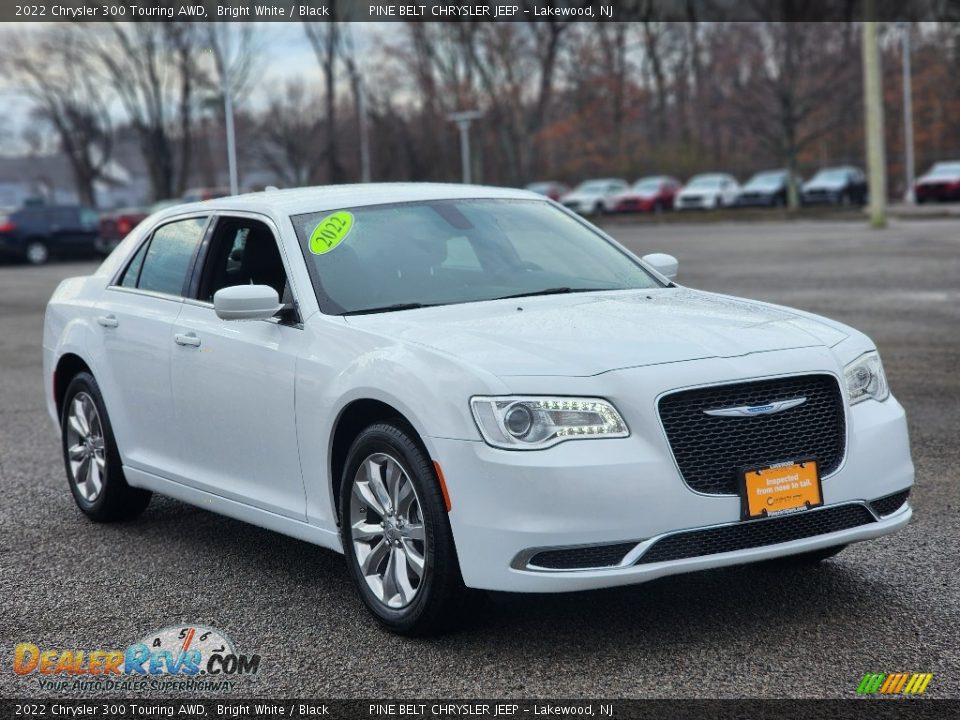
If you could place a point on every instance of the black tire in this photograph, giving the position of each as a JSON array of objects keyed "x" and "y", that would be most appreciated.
[
  {"x": 813, "y": 557},
  {"x": 116, "y": 500},
  {"x": 598, "y": 209},
  {"x": 657, "y": 208},
  {"x": 36, "y": 252},
  {"x": 441, "y": 600}
]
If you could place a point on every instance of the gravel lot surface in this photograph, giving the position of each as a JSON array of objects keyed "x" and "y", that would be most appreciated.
[{"x": 758, "y": 631}]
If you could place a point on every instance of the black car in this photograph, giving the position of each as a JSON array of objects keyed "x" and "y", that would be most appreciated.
[
  {"x": 36, "y": 232},
  {"x": 767, "y": 189},
  {"x": 845, "y": 185}
]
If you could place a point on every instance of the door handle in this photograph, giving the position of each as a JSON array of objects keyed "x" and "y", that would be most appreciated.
[
  {"x": 187, "y": 339},
  {"x": 108, "y": 321}
]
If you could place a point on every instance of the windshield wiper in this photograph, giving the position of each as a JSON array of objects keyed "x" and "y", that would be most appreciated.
[
  {"x": 551, "y": 291},
  {"x": 389, "y": 308}
]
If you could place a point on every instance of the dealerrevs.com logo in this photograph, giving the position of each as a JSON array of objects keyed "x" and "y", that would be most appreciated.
[{"x": 191, "y": 658}]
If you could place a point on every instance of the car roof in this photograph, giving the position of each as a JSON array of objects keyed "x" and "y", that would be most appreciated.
[{"x": 335, "y": 197}]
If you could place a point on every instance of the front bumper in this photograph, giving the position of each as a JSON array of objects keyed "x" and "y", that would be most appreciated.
[{"x": 507, "y": 505}]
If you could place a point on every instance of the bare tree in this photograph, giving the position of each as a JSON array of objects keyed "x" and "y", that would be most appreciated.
[
  {"x": 154, "y": 70},
  {"x": 50, "y": 68},
  {"x": 793, "y": 67},
  {"x": 285, "y": 136},
  {"x": 325, "y": 40}
]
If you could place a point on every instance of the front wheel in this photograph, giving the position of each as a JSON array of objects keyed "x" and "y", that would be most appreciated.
[
  {"x": 396, "y": 534},
  {"x": 93, "y": 465}
]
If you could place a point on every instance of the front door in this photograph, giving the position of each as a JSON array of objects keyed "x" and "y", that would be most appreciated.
[{"x": 233, "y": 381}]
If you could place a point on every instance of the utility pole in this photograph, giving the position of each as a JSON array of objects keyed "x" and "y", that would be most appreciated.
[
  {"x": 231, "y": 138},
  {"x": 873, "y": 105},
  {"x": 908, "y": 163},
  {"x": 364, "y": 133},
  {"x": 463, "y": 120}
]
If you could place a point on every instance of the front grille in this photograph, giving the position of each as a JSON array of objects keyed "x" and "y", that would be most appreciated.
[
  {"x": 712, "y": 452},
  {"x": 578, "y": 558},
  {"x": 756, "y": 533},
  {"x": 889, "y": 504}
]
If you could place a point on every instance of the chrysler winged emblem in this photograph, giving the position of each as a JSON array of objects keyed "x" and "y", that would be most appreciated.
[{"x": 749, "y": 410}]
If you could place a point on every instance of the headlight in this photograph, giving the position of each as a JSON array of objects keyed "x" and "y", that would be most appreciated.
[
  {"x": 534, "y": 423},
  {"x": 866, "y": 379}
]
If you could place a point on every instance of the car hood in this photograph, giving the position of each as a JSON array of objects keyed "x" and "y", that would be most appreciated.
[
  {"x": 699, "y": 192},
  {"x": 590, "y": 333},
  {"x": 824, "y": 185},
  {"x": 942, "y": 178}
]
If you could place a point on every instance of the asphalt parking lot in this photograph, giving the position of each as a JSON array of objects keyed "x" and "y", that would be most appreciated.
[{"x": 892, "y": 604}]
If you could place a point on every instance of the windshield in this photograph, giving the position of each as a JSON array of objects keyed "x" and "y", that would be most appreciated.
[
  {"x": 947, "y": 168},
  {"x": 648, "y": 186},
  {"x": 767, "y": 180},
  {"x": 705, "y": 181},
  {"x": 390, "y": 257},
  {"x": 831, "y": 176}
]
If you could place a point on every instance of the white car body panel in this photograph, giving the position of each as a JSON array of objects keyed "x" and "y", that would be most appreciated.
[{"x": 243, "y": 424}]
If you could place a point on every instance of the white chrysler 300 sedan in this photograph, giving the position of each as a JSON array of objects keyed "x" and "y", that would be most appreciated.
[{"x": 464, "y": 388}]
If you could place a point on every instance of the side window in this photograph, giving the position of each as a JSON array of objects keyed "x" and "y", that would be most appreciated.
[
  {"x": 132, "y": 273},
  {"x": 168, "y": 257},
  {"x": 242, "y": 252}
]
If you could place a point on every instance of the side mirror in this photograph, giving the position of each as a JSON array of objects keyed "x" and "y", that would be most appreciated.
[
  {"x": 246, "y": 302},
  {"x": 664, "y": 264}
]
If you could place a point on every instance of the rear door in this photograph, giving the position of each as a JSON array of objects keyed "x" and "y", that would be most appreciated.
[
  {"x": 136, "y": 319},
  {"x": 233, "y": 381}
]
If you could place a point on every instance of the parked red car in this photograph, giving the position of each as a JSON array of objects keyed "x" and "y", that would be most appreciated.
[
  {"x": 649, "y": 194},
  {"x": 115, "y": 225},
  {"x": 941, "y": 183}
]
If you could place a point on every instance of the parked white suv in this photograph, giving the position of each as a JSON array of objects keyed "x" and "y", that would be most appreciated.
[{"x": 463, "y": 388}]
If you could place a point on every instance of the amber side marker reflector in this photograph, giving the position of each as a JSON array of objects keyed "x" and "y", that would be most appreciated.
[{"x": 443, "y": 485}]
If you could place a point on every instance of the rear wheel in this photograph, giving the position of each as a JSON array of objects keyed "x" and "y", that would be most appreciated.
[
  {"x": 396, "y": 534},
  {"x": 93, "y": 465},
  {"x": 36, "y": 252}
]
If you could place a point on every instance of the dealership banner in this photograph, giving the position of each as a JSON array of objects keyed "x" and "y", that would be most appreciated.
[
  {"x": 121, "y": 709},
  {"x": 456, "y": 10}
]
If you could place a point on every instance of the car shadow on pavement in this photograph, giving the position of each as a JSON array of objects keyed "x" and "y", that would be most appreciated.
[{"x": 762, "y": 599}]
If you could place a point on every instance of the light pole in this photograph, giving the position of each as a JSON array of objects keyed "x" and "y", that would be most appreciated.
[
  {"x": 231, "y": 138},
  {"x": 463, "y": 120},
  {"x": 873, "y": 102},
  {"x": 908, "y": 162}
]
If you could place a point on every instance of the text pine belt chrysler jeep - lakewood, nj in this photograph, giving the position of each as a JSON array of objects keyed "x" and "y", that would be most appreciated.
[{"x": 464, "y": 388}]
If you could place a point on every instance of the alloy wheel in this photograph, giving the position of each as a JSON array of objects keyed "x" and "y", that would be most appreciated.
[
  {"x": 37, "y": 253},
  {"x": 387, "y": 530},
  {"x": 86, "y": 451}
]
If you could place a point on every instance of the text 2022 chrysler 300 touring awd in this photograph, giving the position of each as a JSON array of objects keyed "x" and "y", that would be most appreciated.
[{"x": 464, "y": 388}]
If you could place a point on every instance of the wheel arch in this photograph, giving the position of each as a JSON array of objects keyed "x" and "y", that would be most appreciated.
[
  {"x": 355, "y": 416},
  {"x": 69, "y": 365}
]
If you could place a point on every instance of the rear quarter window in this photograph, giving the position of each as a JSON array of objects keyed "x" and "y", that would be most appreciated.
[{"x": 168, "y": 257}]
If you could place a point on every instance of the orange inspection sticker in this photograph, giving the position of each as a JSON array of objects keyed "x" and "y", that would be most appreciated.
[{"x": 786, "y": 487}]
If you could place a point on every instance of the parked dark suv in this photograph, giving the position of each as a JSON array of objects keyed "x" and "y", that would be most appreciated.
[{"x": 36, "y": 232}]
